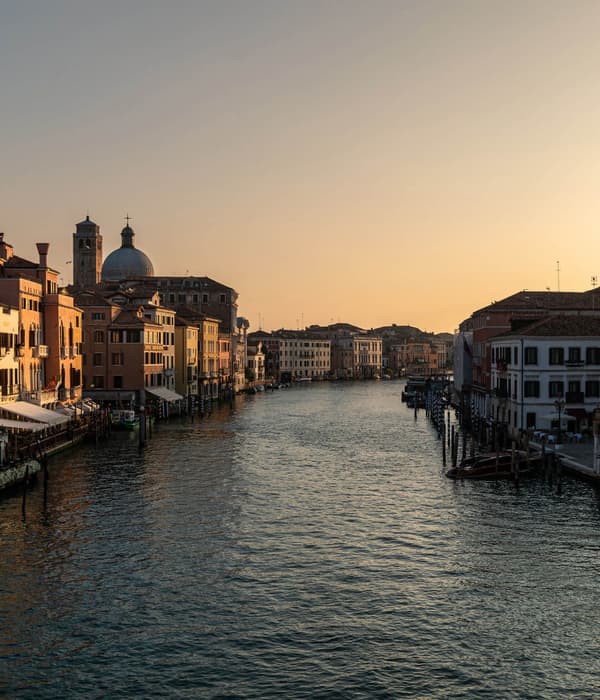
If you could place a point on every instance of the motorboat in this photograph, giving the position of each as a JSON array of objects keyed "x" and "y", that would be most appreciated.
[
  {"x": 124, "y": 419},
  {"x": 501, "y": 465}
]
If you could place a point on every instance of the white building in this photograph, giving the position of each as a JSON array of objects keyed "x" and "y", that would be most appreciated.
[
  {"x": 256, "y": 362},
  {"x": 304, "y": 357},
  {"x": 547, "y": 373}
]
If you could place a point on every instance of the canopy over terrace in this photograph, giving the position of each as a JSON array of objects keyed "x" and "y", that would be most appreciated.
[
  {"x": 31, "y": 412},
  {"x": 164, "y": 394},
  {"x": 565, "y": 419},
  {"x": 7, "y": 424}
]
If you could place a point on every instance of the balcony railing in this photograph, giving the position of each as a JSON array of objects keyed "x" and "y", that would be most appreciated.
[
  {"x": 41, "y": 397},
  {"x": 40, "y": 351},
  {"x": 9, "y": 393},
  {"x": 574, "y": 363},
  {"x": 574, "y": 397},
  {"x": 63, "y": 353}
]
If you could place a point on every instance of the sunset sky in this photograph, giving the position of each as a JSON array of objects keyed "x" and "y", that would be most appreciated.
[{"x": 370, "y": 162}]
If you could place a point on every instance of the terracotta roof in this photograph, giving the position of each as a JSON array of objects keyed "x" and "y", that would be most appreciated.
[
  {"x": 558, "y": 327},
  {"x": 177, "y": 282},
  {"x": 16, "y": 261},
  {"x": 548, "y": 301},
  {"x": 185, "y": 322},
  {"x": 129, "y": 317},
  {"x": 89, "y": 298},
  {"x": 189, "y": 313}
]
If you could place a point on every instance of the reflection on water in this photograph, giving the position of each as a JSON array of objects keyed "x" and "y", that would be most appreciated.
[{"x": 304, "y": 545}]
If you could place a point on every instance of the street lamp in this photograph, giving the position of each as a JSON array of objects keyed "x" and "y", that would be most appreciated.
[{"x": 559, "y": 404}]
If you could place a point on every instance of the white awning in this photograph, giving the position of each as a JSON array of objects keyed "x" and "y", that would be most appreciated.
[
  {"x": 164, "y": 394},
  {"x": 33, "y": 412},
  {"x": 21, "y": 425},
  {"x": 564, "y": 418}
]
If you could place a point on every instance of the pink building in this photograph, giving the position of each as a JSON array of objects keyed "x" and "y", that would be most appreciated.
[{"x": 49, "y": 347}]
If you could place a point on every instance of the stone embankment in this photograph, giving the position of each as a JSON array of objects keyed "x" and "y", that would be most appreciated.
[{"x": 17, "y": 474}]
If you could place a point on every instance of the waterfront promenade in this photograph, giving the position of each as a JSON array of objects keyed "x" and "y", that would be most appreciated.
[{"x": 577, "y": 457}]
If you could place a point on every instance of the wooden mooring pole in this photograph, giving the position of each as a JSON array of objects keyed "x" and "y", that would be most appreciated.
[
  {"x": 25, "y": 485},
  {"x": 45, "y": 467}
]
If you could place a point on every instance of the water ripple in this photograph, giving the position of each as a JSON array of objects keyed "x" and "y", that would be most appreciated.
[{"x": 305, "y": 545}]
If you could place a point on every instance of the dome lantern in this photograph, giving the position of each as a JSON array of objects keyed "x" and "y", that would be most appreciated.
[{"x": 127, "y": 261}]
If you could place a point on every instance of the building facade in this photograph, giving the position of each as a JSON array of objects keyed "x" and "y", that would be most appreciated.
[
  {"x": 303, "y": 356},
  {"x": 547, "y": 374},
  {"x": 186, "y": 358},
  {"x": 49, "y": 334},
  {"x": 9, "y": 362}
]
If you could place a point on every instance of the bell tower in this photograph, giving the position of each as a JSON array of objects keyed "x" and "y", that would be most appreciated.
[{"x": 87, "y": 254}]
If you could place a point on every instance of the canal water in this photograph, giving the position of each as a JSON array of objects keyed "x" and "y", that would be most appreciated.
[{"x": 304, "y": 545}]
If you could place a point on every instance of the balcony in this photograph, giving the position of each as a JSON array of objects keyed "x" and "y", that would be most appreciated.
[
  {"x": 41, "y": 397},
  {"x": 9, "y": 393},
  {"x": 40, "y": 351},
  {"x": 574, "y": 363},
  {"x": 63, "y": 353},
  {"x": 72, "y": 351},
  {"x": 20, "y": 351},
  {"x": 574, "y": 397}
]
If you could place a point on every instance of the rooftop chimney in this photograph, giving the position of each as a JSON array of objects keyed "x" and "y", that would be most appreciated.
[
  {"x": 43, "y": 251},
  {"x": 6, "y": 250}
]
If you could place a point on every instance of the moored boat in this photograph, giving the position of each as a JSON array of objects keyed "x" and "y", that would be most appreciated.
[
  {"x": 492, "y": 466},
  {"x": 124, "y": 419}
]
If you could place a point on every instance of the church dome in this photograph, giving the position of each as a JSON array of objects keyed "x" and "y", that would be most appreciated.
[{"x": 127, "y": 261}]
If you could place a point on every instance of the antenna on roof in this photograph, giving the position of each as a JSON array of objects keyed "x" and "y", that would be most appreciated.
[{"x": 558, "y": 274}]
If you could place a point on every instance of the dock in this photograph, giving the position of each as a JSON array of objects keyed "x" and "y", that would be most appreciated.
[{"x": 577, "y": 458}]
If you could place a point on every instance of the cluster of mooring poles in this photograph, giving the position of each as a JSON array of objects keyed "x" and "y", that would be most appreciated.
[{"x": 472, "y": 434}]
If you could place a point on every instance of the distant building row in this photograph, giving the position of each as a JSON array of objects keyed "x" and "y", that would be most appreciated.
[{"x": 341, "y": 351}]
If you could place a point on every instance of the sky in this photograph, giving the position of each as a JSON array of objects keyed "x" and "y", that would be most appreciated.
[{"x": 369, "y": 162}]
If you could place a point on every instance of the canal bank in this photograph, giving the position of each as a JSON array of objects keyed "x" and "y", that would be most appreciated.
[
  {"x": 26, "y": 446},
  {"x": 577, "y": 458}
]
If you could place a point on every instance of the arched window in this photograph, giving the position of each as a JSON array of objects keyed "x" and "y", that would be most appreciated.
[
  {"x": 61, "y": 335},
  {"x": 70, "y": 335},
  {"x": 32, "y": 336}
]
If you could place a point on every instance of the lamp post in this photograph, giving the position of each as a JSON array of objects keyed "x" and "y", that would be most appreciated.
[{"x": 559, "y": 404}]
